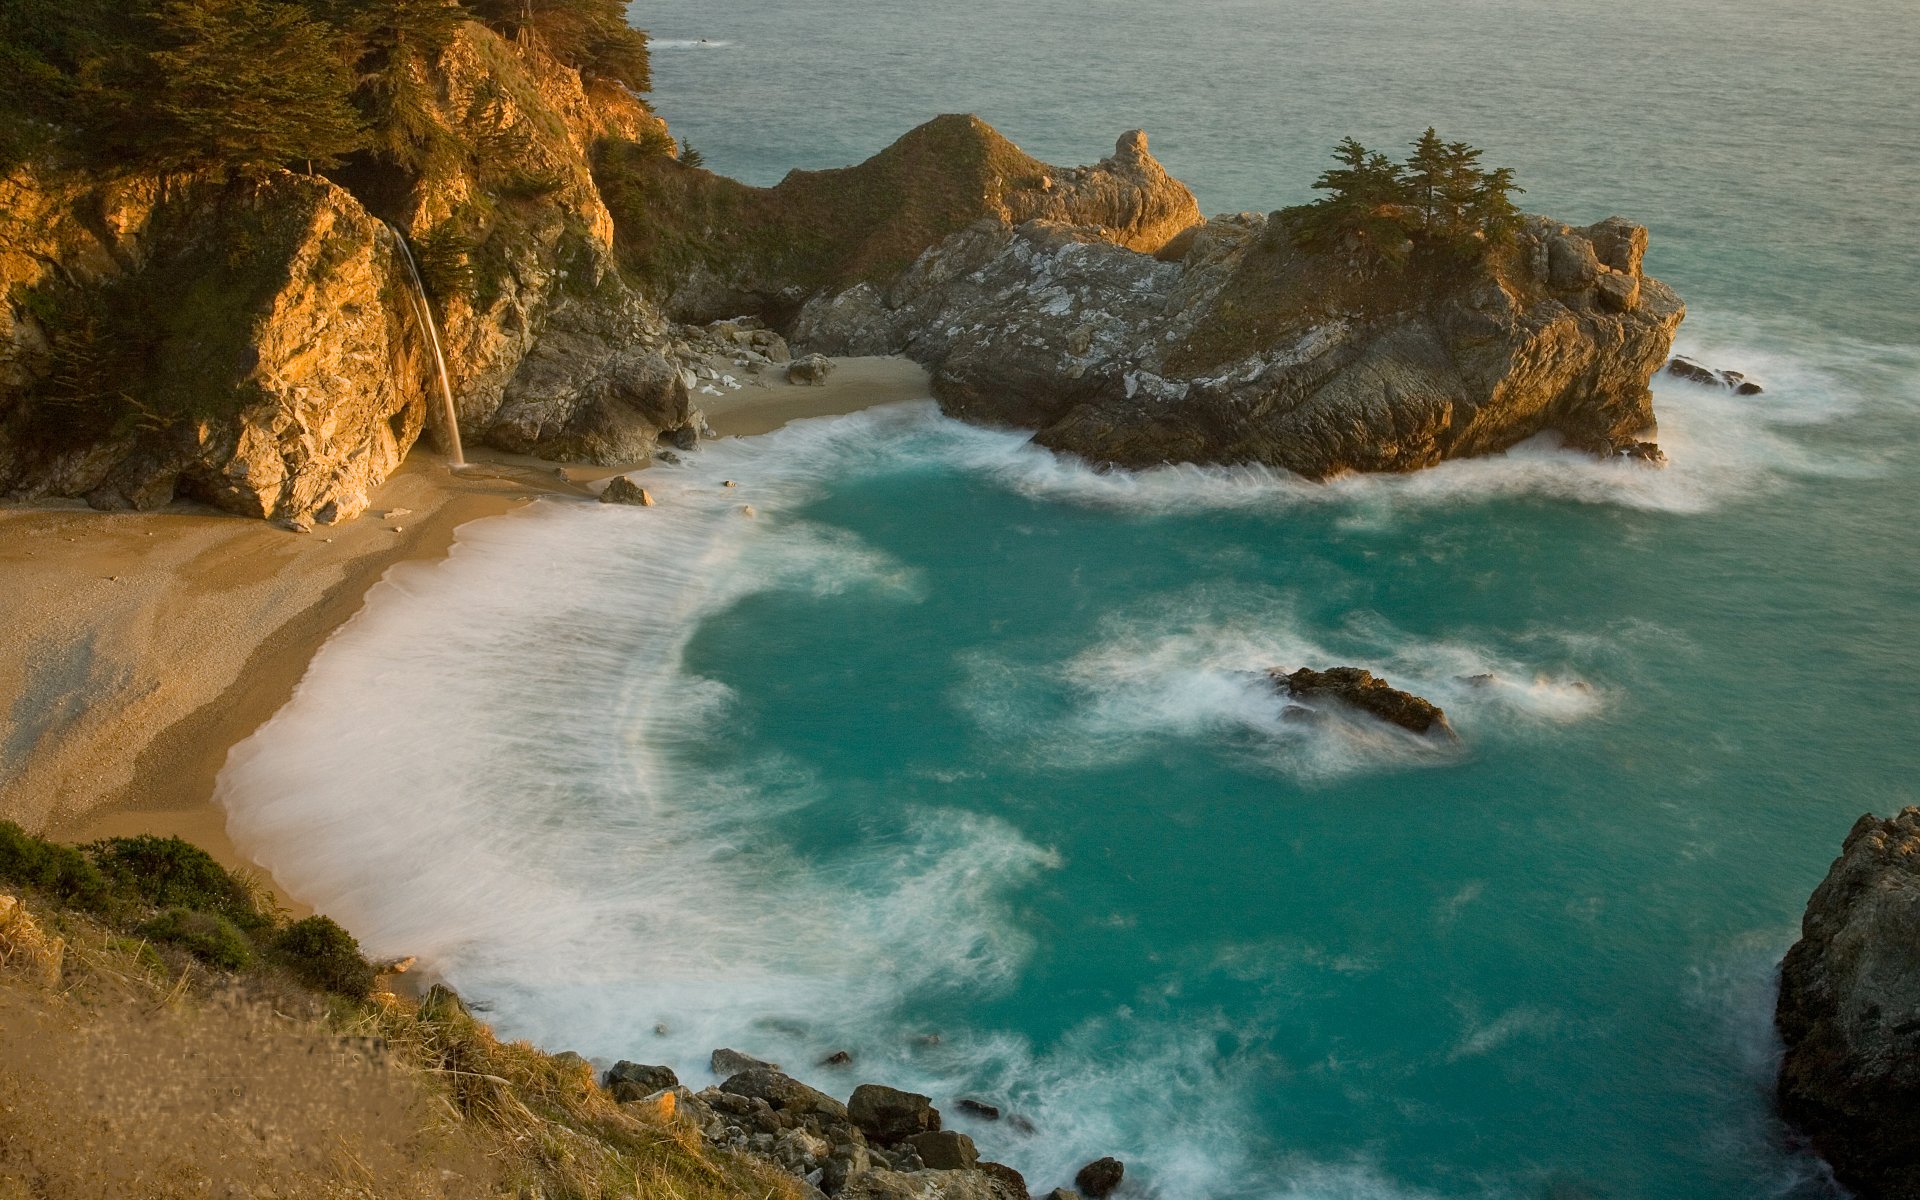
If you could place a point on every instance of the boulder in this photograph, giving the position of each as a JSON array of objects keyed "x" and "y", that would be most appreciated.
[
  {"x": 839, "y": 1058},
  {"x": 638, "y": 1080},
  {"x": 1849, "y": 1012},
  {"x": 783, "y": 1093},
  {"x": 1362, "y": 690},
  {"x": 1646, "y": 452},
  {"x": 622, "y": 490},
  {"x": 812, "y": 369},
  {"x": 945, "y": 1150},
  {"x": 888, "y": 1115},
  {"x": 1100, "y": 1177},
  {"x": 731, "y": 1062},
  {"x": 1063, "y": 1194},
  {"x": 1011, "y": 1180},
  {"x": 976, "y": 1108}
]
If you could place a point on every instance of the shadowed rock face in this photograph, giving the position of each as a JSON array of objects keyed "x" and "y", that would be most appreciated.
[
  {"x": 1363, "y": 690},
  {"x": 1849, "y": 1012},
  {"x": 1234, "y": 346}
]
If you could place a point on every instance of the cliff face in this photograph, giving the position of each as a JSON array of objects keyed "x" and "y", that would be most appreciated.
[
  {"x": 232, "y": 342},
  {"x": 710, "y": 247},
  {"x": 1234, "y": 346},
  {"x": 1849, "y": 1012}
]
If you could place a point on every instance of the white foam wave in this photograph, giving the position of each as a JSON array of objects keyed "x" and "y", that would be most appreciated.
[
  {"x": 689, "y": 44},
  {"x": 1195, "y": 668}
]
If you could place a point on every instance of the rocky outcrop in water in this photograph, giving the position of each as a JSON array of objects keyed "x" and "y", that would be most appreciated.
[
  {"x": 1363, "y": 691},
  {"x": 1849, "y": 1012},
  {"x": 1233, "y": 345},
  {"x": 1693, "y": 372}
]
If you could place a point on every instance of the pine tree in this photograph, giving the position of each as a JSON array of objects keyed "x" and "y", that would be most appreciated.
[
  {"x": 1426, "y": 176},
  {"x": 250, "y": 84}
]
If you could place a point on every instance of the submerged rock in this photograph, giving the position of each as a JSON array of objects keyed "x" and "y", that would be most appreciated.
[
  {"x": 984, "y": 1111},
  {"x": 1849, "y": 1012},
  {"x": 1367, "y": 692}
]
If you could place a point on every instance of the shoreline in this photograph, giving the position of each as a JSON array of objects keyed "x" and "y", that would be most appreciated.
[{"x": 144, "y": 646}]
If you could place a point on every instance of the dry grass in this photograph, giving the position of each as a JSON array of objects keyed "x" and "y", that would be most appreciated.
[{"x": 128, "y": 1072}]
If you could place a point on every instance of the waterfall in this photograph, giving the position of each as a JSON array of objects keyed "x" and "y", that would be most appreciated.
[{"x": 424, "y": 315}]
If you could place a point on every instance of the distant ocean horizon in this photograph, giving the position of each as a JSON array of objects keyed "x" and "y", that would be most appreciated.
[{"x": 958, "y": 756}]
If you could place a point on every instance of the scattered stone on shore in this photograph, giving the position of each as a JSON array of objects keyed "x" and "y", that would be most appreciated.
[
  {"x": 622, "y": 490},
  {"x": 1685, "y": 368},
  {"x": 811, "y": 370},
  {"x": 1100, "y": 1177},
  {"x": 889, "y": 1115},
  {"x": 986, "y": 1112},
  {"x": 1849, "y": 1012},
  {"x": 945, "y": 1150},
  {"x": 783, "y": 1092},
  {"x": 669, "y": 457},
  {"x": 726, "y": 1063},
  {"x": 631, "y": 1081},
  {"x": 1363, "y": 690}
]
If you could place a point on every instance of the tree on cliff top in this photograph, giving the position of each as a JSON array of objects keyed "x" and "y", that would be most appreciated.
[
  {"x": 592, "y": 35},
  {"x": 1438, "y": 204},
  {"x": 250, "y": 84}
]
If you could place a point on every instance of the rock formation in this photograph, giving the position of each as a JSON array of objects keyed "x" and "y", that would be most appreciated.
[
  {"x": 1693, "y": 372},
  {"x": 1233, "y": 345},
  {"x": 1362, "y": 690},
  {"x": 1849, "y": 1012}
]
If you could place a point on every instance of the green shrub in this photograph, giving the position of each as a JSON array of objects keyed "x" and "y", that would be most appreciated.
[
  {"x": 325, "y": 956},
  {"x": 209, "y": 937},
  {"x": 168, "y": 872},
  {"x": 60, "y": 871}
]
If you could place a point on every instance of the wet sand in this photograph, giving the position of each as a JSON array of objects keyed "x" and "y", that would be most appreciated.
[{"x": 139, "y": 648}]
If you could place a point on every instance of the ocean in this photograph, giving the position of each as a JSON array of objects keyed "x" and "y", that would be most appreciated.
[{"x": 957, "y": 756}]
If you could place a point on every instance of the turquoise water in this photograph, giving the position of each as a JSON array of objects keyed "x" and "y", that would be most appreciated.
[{"x": 957, "y": 738}]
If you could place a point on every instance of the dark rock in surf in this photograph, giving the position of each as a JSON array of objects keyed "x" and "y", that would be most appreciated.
[
  {"x": 625, "y": 491},
  {"x": 1644, "y": 452},
  {"x": 1693, "y": 372},
  {"x": 889, "y": 1115},
  {"x": 1849, "y": 1012},
  {"x": 1363, "y": 690},
  {"x": 1100, "y": 1177},
  {"x": 839, "y": 1058},
  {"x": 986, "y": 1112}
]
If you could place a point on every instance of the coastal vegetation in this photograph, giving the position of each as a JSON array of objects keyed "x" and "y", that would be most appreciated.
[
  {"x": 285, "y": 1066},
  {"x": 248, "y": 85},
  {"x": 1438, "y": 204}
]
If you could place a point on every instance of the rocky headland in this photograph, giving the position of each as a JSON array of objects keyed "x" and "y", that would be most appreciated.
[
  {"x": 1849, "y": 1012},
  {"x": 244, "y": 338}
]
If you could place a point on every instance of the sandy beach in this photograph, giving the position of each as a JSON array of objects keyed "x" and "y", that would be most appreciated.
[{"x": 140, "y": 647}]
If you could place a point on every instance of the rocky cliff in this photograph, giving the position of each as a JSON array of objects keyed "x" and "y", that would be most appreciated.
[
  {"x": 247, "y": 342},
  {"x": 1849, "y": 1012},
  {"x": 1233, "y": 345}
]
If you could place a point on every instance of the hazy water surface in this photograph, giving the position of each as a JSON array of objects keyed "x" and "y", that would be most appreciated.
[{"x": 958, "y": 738}]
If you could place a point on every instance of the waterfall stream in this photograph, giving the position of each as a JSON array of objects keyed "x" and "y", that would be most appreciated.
[{"x": 424, "y": 314}]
